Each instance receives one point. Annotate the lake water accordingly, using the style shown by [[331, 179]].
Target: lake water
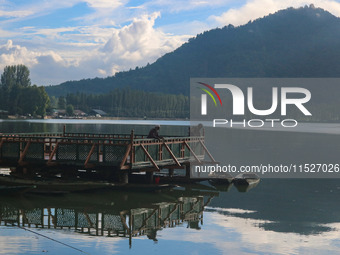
[[278, 216]]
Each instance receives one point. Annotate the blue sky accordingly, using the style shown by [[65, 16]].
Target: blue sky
[[62, 40]]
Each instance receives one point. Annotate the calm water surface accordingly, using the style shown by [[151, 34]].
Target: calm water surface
[[279, 216]]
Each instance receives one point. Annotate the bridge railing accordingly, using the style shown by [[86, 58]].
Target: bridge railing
[[101, 150]]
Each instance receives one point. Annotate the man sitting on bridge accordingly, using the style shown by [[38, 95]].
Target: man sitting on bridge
[[154, 133]]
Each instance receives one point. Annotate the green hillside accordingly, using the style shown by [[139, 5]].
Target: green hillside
[[300, 42]]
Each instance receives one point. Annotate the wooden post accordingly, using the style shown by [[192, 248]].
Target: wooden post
[[132, 155], [130, 229], [123, 220], [97, 224], [123, 176], [187, 171], [64, 130], [149, 177]]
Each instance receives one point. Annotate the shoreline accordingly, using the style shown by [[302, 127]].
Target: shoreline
[[95, 118]]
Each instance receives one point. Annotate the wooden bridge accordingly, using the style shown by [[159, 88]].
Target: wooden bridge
[[106, 153]]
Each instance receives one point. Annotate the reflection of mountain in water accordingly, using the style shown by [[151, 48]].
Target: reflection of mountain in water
[[105, 214], [302, 206]]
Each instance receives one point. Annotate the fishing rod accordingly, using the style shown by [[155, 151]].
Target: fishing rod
[[53, 240]]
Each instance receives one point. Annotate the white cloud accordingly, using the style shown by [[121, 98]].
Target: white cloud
[[46, 67], [38, 8], [51, 68], [33, 9], [7, 33], [230, 234], [104, 4], [139, 43], [254, 9], [15, 14], [133, 45], [14, 54], [186, 5], [111, 36], [188, 29], [106, 12]]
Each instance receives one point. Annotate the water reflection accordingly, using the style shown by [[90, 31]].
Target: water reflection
[[279, 216], [168, 128], [110, 214], [259, 221]]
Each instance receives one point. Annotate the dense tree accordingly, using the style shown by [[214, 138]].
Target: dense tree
[[17, 75], [18, 96], [62, 103], [43, 101], [70, 110], [133, 103], [53, 102], [12, 80]]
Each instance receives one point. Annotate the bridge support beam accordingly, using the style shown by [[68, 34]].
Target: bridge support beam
[[187, 171], [149, 177], [124, 177]]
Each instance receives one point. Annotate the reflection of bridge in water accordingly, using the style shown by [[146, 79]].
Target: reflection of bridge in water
[[105, 221]]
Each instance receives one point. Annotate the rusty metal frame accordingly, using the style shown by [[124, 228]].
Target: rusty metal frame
[[172, 154], [207, 151], [167, 218], [175, 159], [149, 156], [145, 221], [23, 154], [53, 153], [90, 154], [127, 154], [192, 152]]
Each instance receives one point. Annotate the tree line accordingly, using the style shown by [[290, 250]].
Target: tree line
[[130, 103], [18, 96]]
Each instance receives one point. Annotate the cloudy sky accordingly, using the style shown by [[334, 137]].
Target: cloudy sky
[[62, 40]]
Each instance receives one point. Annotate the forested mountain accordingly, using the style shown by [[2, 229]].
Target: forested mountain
[[300, 42], [133, 103]]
